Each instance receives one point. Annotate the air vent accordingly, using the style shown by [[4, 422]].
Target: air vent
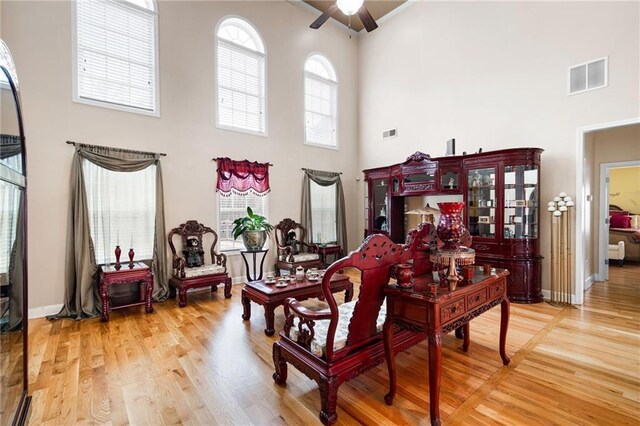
[[588, 76], [391, 133]]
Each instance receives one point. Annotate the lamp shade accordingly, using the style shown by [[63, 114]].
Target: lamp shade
[[349, 7]]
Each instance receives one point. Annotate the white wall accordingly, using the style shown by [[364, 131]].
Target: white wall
[[39, 36], [494, 75]]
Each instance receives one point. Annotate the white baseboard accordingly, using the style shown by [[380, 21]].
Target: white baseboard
[[589, 281], [43, 311]]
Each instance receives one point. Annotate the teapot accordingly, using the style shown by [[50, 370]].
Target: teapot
[[299, 273]]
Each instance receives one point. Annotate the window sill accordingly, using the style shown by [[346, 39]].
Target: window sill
[[319, 145], [241, 130], [116, 107]]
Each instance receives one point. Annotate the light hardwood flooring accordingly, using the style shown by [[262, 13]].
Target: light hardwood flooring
[[204, 365]]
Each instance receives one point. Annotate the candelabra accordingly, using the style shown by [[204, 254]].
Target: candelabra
[[561, 254]]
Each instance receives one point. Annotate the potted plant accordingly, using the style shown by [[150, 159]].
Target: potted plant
[[253, 229]]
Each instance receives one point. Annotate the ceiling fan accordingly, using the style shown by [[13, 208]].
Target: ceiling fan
[[348, 7]]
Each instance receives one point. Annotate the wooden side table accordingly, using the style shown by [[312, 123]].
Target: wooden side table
[[329, 249], [125, 274]]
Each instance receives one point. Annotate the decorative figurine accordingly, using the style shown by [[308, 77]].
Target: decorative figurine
[[193, 253], [293, 242], [451, 183]]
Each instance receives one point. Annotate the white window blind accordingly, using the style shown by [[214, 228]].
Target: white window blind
[[241, 77], [320, 101], [122, 211], [116, 54], [323, 213], [9, 210], [231, 208]]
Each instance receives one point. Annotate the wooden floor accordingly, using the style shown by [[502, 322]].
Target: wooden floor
[[204, 365]]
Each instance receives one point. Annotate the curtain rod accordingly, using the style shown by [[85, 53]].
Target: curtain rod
[[319, 171], [222, 158], [133, 151]]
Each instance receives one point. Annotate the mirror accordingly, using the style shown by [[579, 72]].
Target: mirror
[[14, 401]]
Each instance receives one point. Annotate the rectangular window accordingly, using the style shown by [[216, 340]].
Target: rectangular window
[[323, 213], [9, 210], [320, 110], [240, 88], [115, 55], [122, 211], [232, 207]]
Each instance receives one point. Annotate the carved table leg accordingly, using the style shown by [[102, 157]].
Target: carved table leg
[[348, 294], [104, 295], [465, 336], [280, 376], [504, 324], [149, 295], [227, 288], [390, 357], [269, 317], [246, 306], [328, 400], [182, 295], [435, 370]]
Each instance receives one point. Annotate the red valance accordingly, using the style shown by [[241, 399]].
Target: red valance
[[241, 177]]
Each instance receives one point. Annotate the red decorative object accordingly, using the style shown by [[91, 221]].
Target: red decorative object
[[112, 275], [451, 229], [117, 252], [404, 275], [131, 254], [242, 176]]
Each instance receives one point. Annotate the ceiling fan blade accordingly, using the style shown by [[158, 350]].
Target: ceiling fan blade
[[367, 20], [323, 18]]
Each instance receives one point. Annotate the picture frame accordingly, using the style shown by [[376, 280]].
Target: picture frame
[[484, 219], [520, 203]]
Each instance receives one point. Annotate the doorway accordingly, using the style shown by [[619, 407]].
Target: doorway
[[605, 198]]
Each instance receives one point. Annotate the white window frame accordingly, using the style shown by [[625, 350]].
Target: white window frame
[[74, 58], [265, 91], [586, 64], [240, 246], [336, 145]]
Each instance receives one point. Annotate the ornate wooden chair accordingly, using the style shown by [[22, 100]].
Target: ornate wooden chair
[[338, 344], [293, 250], [189, 267]]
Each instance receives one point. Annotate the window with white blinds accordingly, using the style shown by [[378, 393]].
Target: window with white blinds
[[122, 211], [323, 213], [241, 77], [320, 102], [9, 210], [232, 207], [115, 54]]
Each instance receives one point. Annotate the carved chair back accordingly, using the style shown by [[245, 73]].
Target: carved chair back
[[282, 230], [375, 259], [194, 229]]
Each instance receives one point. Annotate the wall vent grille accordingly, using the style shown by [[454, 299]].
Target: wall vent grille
[[391, 133], [588, 76]]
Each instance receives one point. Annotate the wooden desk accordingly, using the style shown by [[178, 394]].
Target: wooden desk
[[271, 296], [109, 276], [419, 310], [329, 249]]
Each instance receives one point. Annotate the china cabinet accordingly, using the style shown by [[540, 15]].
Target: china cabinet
[[14, 399], [500, 190]]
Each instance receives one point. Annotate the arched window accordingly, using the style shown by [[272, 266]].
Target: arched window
[[320, 102], [116, 62], [240, 77]]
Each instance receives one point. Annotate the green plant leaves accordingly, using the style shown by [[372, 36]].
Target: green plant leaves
[[251, 222]]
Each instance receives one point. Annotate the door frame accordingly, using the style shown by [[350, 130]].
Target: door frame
[[581, 199], [603, 218]]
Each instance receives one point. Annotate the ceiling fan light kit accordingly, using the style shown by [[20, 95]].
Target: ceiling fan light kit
[[349, 7]]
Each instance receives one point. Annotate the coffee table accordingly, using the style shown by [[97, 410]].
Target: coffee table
[[270, 296]]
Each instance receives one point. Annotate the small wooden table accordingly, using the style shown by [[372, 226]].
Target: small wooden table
[[329, 249], [418, 309], [270, 296], [124, 274]]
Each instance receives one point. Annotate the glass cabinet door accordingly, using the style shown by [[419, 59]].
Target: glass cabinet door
[[482, 202], [520, 201], [379, 204]]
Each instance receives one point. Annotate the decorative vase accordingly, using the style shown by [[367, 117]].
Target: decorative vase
[[451, 229], [404, 275], [131, 254], [254, 240], [117, 252], [300, 273]]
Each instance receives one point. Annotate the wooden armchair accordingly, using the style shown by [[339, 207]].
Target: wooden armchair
[[293, 250], [338, 344], [189, 267]]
